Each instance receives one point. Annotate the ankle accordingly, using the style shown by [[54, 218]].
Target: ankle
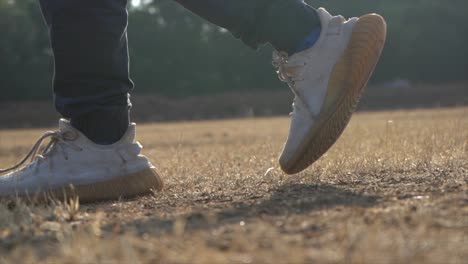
[[103, 127], [300, 28], [309, 41]]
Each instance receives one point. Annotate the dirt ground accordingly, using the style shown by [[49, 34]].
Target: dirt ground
[[393, 189]]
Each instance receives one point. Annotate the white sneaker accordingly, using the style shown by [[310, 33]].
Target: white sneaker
[[96, 172], [328, 80]]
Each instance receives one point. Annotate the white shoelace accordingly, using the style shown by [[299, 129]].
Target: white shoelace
[[285, 72], [289, 74], [57, 138]]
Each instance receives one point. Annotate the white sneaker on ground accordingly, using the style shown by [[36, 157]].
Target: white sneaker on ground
[[328, 80], [95, 172]]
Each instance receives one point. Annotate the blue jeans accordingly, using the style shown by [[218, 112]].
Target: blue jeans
[[89, 42]]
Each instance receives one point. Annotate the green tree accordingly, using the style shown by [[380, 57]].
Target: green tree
[[25, 57]]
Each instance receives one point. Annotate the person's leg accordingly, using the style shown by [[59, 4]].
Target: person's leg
[[325, 60], [96, 151], [285, 24], [91, 81]]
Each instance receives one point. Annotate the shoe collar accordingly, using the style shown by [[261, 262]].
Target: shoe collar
[[65, 126], [331, 25]]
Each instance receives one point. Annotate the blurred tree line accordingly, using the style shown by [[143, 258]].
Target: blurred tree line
[[175, 53]]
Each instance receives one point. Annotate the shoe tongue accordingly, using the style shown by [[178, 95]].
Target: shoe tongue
[[64, 125]]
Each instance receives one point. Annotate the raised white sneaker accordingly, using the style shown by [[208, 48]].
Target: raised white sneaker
[[328, 80], [96, 172]]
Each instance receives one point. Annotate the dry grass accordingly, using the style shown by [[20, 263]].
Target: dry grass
[[394, 189]]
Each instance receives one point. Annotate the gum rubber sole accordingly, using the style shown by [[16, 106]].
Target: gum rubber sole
[[136, 184], [139, 183], [349, 77]]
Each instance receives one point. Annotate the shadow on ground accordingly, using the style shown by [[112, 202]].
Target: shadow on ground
[[289, 199]]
